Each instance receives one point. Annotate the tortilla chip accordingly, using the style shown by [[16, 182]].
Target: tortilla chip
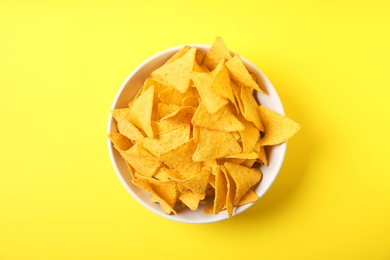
[[180, 160], [230, 193], [121, 142], [220, 191], [251, 111], [211, 100], [167, 141], [162, 192], [222, 120], [141, 160], [124, 125], [249, 135], [240, 74], [278, 128], [176, 73], [249, 197], [220, 84], [244, 178], [218, 52], [141, 111], [209, 145]]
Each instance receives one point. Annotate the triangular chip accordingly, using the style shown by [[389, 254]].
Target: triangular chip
[[251, 111], [180, 160], [262, 157], [157, 89], [171, 95], [167, 141], [220, 83], [249, 197], [191, 199], [220, 191], [141, 111], [162, 192], [124, 125], [176, 73], [179, 54], [249, 135], [121, 142], [244, 178], [278, 128], [221, 120], [141, 160], [218, 52], [197, 183], [215, 144], [165, 109], [230, 193], [240, 74], [212, 101]]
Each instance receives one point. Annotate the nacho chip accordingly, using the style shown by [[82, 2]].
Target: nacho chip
[[215, 144], [191, 199], [244, 178], [211, 100], [240, 74], [180, 160], [141, 160], [167, 141], [121, 142], [190, 101], [141, 111], [179, 54], [262, 155], [218, 52], [171, 95], [165, 109], [278, 128], [220, 84], [249, 197], [230, 193], [177, 73], [124, 125], [222, 120], [251, 111], [220, 191], [249, 135], [162, 192]]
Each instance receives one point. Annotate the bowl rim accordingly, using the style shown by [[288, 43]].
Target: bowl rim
[[207, 218]]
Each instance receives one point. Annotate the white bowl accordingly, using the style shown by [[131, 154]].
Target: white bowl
[[128, 91]]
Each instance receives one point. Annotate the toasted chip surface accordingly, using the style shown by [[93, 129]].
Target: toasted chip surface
[[278, 128]]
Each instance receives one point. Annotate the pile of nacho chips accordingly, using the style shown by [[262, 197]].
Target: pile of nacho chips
[[194, 134]]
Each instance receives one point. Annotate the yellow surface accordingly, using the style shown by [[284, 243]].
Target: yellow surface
[[62, 62]]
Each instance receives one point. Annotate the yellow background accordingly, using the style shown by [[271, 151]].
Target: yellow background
[[62, 62]]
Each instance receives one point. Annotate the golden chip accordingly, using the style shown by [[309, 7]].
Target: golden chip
[[212, 101], [218, 52], [222, 120], [215, 144], [220, 83], [278, 128], [177, 73], [121, 142], [125, 127], [251, 111], [244, 178], [167, 141], [240, 74], [141, 110], [180, 160]]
